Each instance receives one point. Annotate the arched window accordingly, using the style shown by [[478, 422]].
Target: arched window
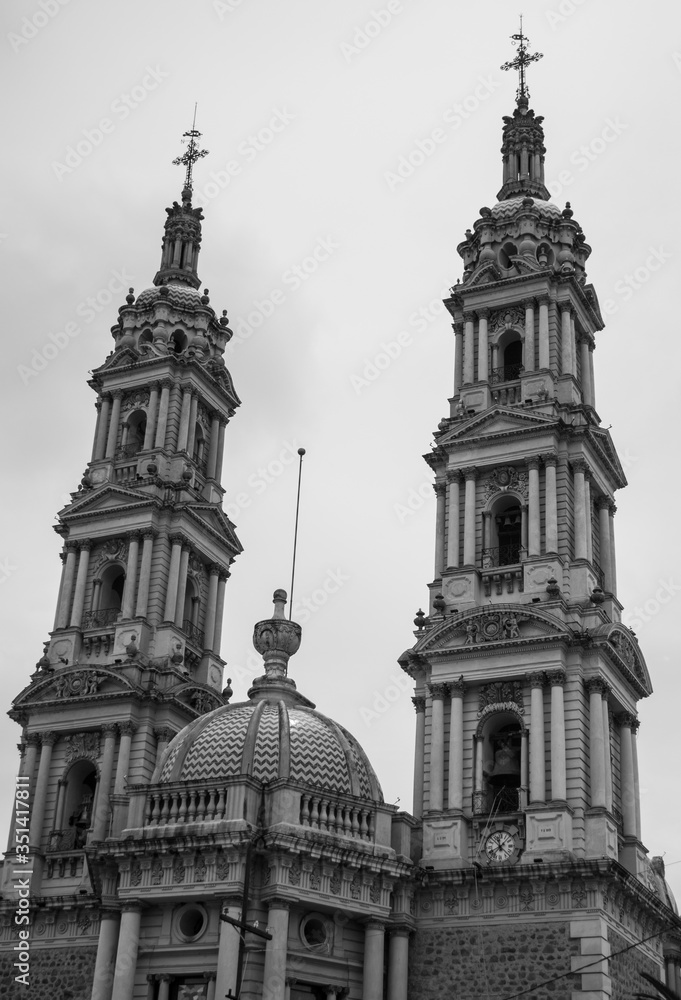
[[77, 808], [199, 446], [499, 758], [503, 533], [178, 342], [111, 589], [134, 430], [513, 360]]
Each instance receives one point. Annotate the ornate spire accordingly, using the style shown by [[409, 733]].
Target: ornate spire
[[277, 639], [520, 62], [189, 158]]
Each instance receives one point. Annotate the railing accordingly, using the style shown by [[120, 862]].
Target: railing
[[502, 555], [97, 619], [332, 816], [129, 450], [126, 472], [507, 373], [165, 808], [194, 634], [500, 800], [64, 866]]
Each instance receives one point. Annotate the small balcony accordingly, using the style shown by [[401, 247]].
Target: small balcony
[[509, 554], [505, 384], [193, 633], [101, 618], [496, 800]]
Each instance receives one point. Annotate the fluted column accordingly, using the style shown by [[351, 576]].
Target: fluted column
[[183, 432], [454, 495], [524, 769], [219, 611], [627, 774], [191, 435], [534, 526], [274, 976], [587, 517], [81, 580], [101, 811], [145, 574], [483, 346], [591, 374], [128, 604], [587, 394], [126, 955], [398, 963], [66, 590], [98, 409], [469, 517], [613, 560], [113, 424], [221, 450], [107, 943], [152, 415], [455, 793], [47, 740], [607, 752], [469, 349], [458, 357], [528, 354], [537, 749], [556, 679], [182, 583], [566, 339], [102, 428], [173, 577], [603, 507], [213, 447], [637, 784], [596, 687], [551, 504], [419, 704], [441, 497], [162, 421], [437, 746], [544, 347], [374, 933], [579, 471], [126, 730], [211, 607]]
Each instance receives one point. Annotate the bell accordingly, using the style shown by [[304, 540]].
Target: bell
[[506, 768]]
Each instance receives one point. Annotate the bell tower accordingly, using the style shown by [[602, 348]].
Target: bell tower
[[527, 682]]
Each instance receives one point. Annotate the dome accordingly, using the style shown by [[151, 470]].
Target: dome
[[180, 296], [511, 206], [271, 738]]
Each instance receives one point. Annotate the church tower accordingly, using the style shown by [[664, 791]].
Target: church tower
[[527, 682]]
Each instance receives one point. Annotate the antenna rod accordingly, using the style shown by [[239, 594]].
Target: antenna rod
[[301, 452]]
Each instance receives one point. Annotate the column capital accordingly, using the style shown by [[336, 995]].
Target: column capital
[[277, 903], [532, 462], [71, 546], [116, 394], [373, 924], [613, 508], [566, 307], [109, 729], [156, 384], [127, 728], [177, 538], [132, 906], [419, 704], [85, 544], [439, 691], [457, 688], [549, 458], [543, 300], [469, 316], [556, 677], [483, 312], [133, 535], [166, 383], [163, 734], [49, 738], [580, 465], [597, 684], [457, 327], [453, 475], [627, 720], [536, 679], [149, 533], [400, 930], [529, 303], [470, 472], [439, 489], [32, 739], [603, 501]]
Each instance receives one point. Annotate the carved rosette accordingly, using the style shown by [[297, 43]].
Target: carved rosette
[[501, 693], [82, 745], [77, 684], [492, 627], [503, 480]]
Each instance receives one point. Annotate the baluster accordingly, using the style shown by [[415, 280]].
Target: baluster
[[220, 807], [183, 802], [151, 815], [191, 807], [210, 807], [323, 813], [305, 810], [347, 823], [333, 823], [355, 823], [201, 810], [372, 826], [174, 807], [363, 825], [165, 809], [314, 813]]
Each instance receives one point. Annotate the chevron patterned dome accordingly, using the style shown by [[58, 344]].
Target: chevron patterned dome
[[180, 296], [509, 207], [271, 738]]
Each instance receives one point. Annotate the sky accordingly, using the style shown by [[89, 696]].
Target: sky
[[351, 145]]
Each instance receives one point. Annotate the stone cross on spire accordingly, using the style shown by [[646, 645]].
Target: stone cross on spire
[[189, 157], [520, 62]]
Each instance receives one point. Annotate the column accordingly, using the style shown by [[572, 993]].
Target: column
[[274, 976], [469, 517], [528, 354], [183, 432], [81, 580], [213, 447], [128, 605], [126, 955], [607, 752], [126, 730], [193, 410], [96, 594], [113, 424], [220, 611], [455, 793], [210, 985], [627, 776], [556, 679], [533, 528], [101, 811], [211, 607], [102, 980], [483, 346], [440, 493], [419, 704], [228, 950], [27, 768], [566, 339], [164, 981], [523, 531], [47, 740], [587, 394], [398, 963], [592, 348], [544, 349], [182, 583], [374, 933], [587, 517], [145, 574], [102, 428], [98, 408], [579, 470], [637, 785], [595, 687], [162, 421], [613, 562], [458, 357], [221, 450], [524, 770], [487, 555], [537, 748], [603, 507], [152, 414], [173, 577], [163, 737], [551, 504], [59, 809], [479, 773], [66, 590], [437, 746], [468, 349], [454, 495]]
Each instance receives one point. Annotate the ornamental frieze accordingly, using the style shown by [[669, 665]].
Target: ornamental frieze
[[501, 693], [81, 745], [112, 550], [135, 400], [492, 627], [627, 651], [504, 479], [74, 685], [503, 319]]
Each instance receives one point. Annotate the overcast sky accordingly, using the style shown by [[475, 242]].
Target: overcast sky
[[332, 266]]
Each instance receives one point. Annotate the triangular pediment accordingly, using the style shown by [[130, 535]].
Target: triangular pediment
[[604, 444], [119, 359], [80, 681], [510, 624], [214, 518], [484, 275], [624, 651], [499, 420], [105, 498]]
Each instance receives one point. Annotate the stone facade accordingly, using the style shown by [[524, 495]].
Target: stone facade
[[64, 972]]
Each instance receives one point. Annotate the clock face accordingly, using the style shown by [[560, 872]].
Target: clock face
[[499, 846]]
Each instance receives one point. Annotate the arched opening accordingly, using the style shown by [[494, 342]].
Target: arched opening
[[199, 446], [78, 803], [513, 360], [145, 338], [111, 591], [506, 252], [178, 342], [134, 430], [500, 767], [503, 543]]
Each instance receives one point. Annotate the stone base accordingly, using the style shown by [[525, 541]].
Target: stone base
[[601, 835], [445, 842], [548, 832]]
